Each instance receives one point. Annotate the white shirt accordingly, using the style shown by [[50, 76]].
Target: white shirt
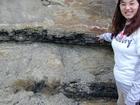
[[127, 64]]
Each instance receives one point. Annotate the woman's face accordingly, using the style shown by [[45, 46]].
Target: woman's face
[[129, 8]]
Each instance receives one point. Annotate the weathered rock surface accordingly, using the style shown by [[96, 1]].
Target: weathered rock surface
[[92, 16], [68, 71]]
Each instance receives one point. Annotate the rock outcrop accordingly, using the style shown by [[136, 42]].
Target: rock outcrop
[[49, 53]]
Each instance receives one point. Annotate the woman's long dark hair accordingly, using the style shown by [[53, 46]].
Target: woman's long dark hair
[[118, 22]]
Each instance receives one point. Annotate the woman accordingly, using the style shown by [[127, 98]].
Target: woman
[[125, 41]]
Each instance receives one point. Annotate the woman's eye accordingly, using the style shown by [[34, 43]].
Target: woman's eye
[[132, 3], [122, 4]]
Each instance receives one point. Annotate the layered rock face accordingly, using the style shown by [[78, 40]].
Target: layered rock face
[[92, 16], [49, 53]]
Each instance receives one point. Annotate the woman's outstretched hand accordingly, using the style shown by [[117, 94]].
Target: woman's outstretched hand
[[101, 40]]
